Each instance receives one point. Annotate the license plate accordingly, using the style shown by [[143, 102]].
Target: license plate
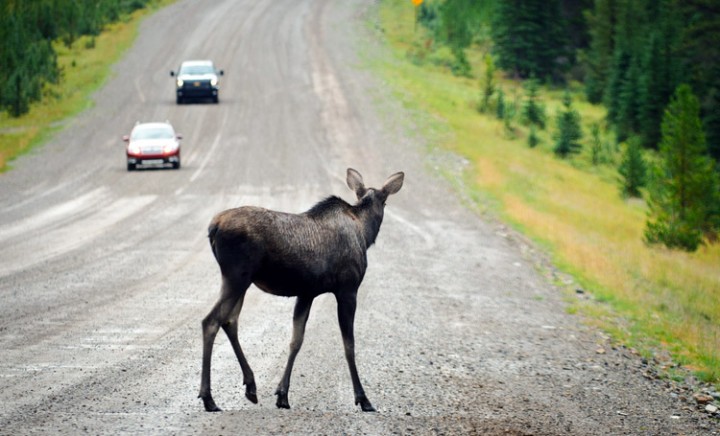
[[152, 161], [196, 84]]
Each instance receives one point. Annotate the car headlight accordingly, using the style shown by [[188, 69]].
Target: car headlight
[[134, 149], [213, 81], [180, 83], [169, 148]]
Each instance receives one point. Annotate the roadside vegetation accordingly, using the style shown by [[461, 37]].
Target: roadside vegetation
[[620, 188], [53, 62]]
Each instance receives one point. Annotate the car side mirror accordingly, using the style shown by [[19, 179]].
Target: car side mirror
[[222, 72], [172, 73], [178, 136], [126, 138]]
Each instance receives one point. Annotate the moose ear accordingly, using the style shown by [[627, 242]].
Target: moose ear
[[355, 182], [393, 183]]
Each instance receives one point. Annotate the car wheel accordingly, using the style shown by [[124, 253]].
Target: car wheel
[[216, 99], [178, 100], [176, 165], [130, 167]]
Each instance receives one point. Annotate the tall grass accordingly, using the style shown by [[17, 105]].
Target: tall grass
[[84, 68], [650, 298]]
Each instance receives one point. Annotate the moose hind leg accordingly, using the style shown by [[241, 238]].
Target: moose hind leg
[[346, 318], [231, 329], [225, 310], [300, 317]]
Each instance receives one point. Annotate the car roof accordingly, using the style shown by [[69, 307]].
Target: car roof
[[152, 125], [192, 63]]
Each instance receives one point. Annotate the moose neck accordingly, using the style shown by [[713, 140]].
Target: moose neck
[[371, 217]]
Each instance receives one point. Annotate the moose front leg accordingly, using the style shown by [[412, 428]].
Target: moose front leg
[[300, 317], [346, 318]]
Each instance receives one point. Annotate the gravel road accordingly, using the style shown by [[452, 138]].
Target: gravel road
[[105, 275]]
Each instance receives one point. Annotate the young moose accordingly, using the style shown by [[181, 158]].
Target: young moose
[[303, 256]]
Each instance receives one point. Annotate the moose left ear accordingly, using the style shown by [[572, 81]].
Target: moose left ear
[[393, 183], [355, 182]]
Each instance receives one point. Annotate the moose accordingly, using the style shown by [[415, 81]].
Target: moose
[[294, 255]]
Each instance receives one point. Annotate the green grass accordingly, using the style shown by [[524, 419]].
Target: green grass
[[650, 298], [85, 66]]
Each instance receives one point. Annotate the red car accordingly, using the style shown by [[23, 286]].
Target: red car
[[153, 144]]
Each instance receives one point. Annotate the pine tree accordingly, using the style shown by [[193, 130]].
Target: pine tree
[[632, 169], [500, 104], [488, 85], [460, 19], [533, 139], [660, 72], [533, 112], [684, 191], [569, 131], [601, 26], [598, 148], [529, 38], [628, 117]]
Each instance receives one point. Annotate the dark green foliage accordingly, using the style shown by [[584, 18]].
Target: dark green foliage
[[660, 74], [428, 15], [627, 120], [601, 26], [711, 120], [700, 50], [500, 104], [639, 52], [530, 38], [633, 169], [487, 85], [533, 139], [684, 190], [455, 23], [533, 112], [27, 58], [569, 131]]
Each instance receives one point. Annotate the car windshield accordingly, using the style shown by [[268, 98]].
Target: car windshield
[[156, 132], [197, 69]]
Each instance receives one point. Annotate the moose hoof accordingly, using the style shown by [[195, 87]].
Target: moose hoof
[[365, 405], [210, 405], [250, 393], [282, 400]]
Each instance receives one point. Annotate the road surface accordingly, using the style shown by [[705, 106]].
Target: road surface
[[105, 275]]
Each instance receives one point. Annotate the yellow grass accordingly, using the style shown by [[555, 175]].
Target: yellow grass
[[667, 300]]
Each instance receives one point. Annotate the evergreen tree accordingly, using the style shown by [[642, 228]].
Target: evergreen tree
[[569, 131], [601, 26], [632, 169], [500, 104], [533, 112], [660, 72], [684, 192], [628, 116], [488, 84], [596, 148], [699, 50], [27, 58], [530, 38], [460, 20], [533, 139]]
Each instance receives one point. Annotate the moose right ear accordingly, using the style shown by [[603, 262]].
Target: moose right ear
[[393, 183], [355, 182]]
